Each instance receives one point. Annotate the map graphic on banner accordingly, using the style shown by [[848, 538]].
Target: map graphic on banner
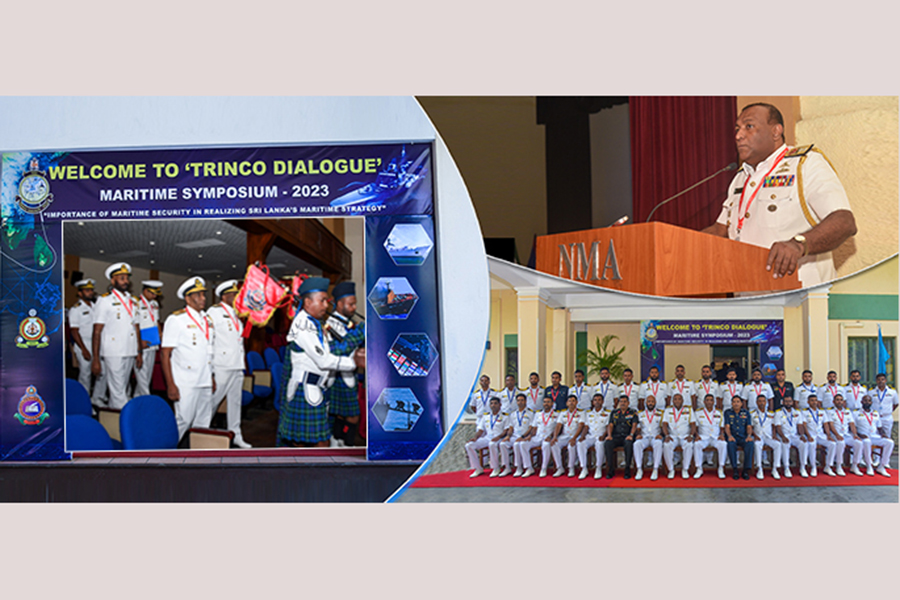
[[386, 183]]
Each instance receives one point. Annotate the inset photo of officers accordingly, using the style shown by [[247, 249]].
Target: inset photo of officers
[[171, 346]]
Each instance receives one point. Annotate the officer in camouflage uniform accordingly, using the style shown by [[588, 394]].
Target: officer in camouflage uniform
[[344, 337]]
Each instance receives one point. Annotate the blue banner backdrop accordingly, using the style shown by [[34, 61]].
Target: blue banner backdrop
[[40, 190], [769, 335]]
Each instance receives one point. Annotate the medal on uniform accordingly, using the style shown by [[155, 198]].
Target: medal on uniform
[[604, 389], [519, 415], [705, 387], [833, 390], [790, 417], [509, 395], [533, 392], [655, 390], [855, 390], [731, 389], [231, 318], [484, 401], [494, 422], [814, 415], [681, 410], [680, 387], [205, 330], [545, 419], [628, 389], [649, 416], [881, 396], [572, 414], [763, 415], [746, 214], [149, 309], [869, 418], [125, 304], [554, 395], [706, 412]]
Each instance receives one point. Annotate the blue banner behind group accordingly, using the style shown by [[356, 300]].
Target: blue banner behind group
[[386, 183]]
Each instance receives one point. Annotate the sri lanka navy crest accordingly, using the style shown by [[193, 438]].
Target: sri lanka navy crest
[[256, 299], [34, 190], [31, 410], [32, 332]]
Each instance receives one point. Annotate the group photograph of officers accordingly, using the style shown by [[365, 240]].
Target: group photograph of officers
[[115, 338], [732, 423]]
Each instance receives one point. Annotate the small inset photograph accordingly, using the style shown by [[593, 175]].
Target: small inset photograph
[[397, 409], [393, 298], [408, 244], [412, 354], [593, 395]]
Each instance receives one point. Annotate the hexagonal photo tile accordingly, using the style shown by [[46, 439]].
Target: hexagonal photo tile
[[392, 298], [412, 354], [397, 409], [408, 244]]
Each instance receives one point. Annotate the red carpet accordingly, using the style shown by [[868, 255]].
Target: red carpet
[[461, 479]]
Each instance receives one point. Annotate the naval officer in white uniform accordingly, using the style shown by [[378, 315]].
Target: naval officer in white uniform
[[148, 313], [81, 327], [228, 357], [117, 335], [786, 199], [186, 358]]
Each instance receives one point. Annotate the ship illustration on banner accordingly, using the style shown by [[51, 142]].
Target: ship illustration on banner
[[397, 181]]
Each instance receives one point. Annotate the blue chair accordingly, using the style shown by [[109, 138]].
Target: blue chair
[[147, 423], [277, 383], [271, 356], [84, 433], [282, 350], [257, 368], [78, 402]]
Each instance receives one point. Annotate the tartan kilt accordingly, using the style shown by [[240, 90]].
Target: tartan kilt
[[342, 400], [298, 420]]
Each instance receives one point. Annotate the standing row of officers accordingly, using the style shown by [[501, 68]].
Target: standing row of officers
[[202, 355], [117, 333], [664, 417], [884, 398]]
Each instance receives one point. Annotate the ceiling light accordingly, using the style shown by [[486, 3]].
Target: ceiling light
[[152, 243]]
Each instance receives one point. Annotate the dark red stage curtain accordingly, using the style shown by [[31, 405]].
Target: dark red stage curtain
[[676, 142]]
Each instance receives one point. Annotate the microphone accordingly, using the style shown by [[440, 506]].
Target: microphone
[[729, 167], [621, 221]]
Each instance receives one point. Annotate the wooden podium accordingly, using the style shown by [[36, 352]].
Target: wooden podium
[[659, 259]]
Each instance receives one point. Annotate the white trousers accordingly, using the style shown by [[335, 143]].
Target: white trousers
[[523, 451], [143, 375], [856, 446], [777, 447], [886, 428], [229, 384], [84, 377], [556, 449], [830, 450], [642, 444], [472, 449], [193, 409], [687, 449], [802, 450], [876, 441], [584, 445], [118, 372], [702, 444]]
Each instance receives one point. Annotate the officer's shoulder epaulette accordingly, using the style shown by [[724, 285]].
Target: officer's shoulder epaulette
[[506, 414], [178, 312], [799, 151], [105, 295]]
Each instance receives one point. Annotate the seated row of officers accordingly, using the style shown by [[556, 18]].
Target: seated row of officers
[[202, 355], [510, 437]]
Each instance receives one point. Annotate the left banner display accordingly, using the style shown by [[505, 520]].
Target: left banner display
[[43, 190]]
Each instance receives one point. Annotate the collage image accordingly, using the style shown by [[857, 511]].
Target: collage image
[[480, 299]]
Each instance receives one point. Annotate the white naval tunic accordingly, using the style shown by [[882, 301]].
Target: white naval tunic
[[117, 312], [228, 362], [81, 317], [790, 196], [191, 336]]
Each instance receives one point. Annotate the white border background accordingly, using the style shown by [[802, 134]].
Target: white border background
[[464, 47]]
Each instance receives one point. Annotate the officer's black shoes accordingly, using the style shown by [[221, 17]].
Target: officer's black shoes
[[627, 475], [745, 475], [736, 475], [609, 475]]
